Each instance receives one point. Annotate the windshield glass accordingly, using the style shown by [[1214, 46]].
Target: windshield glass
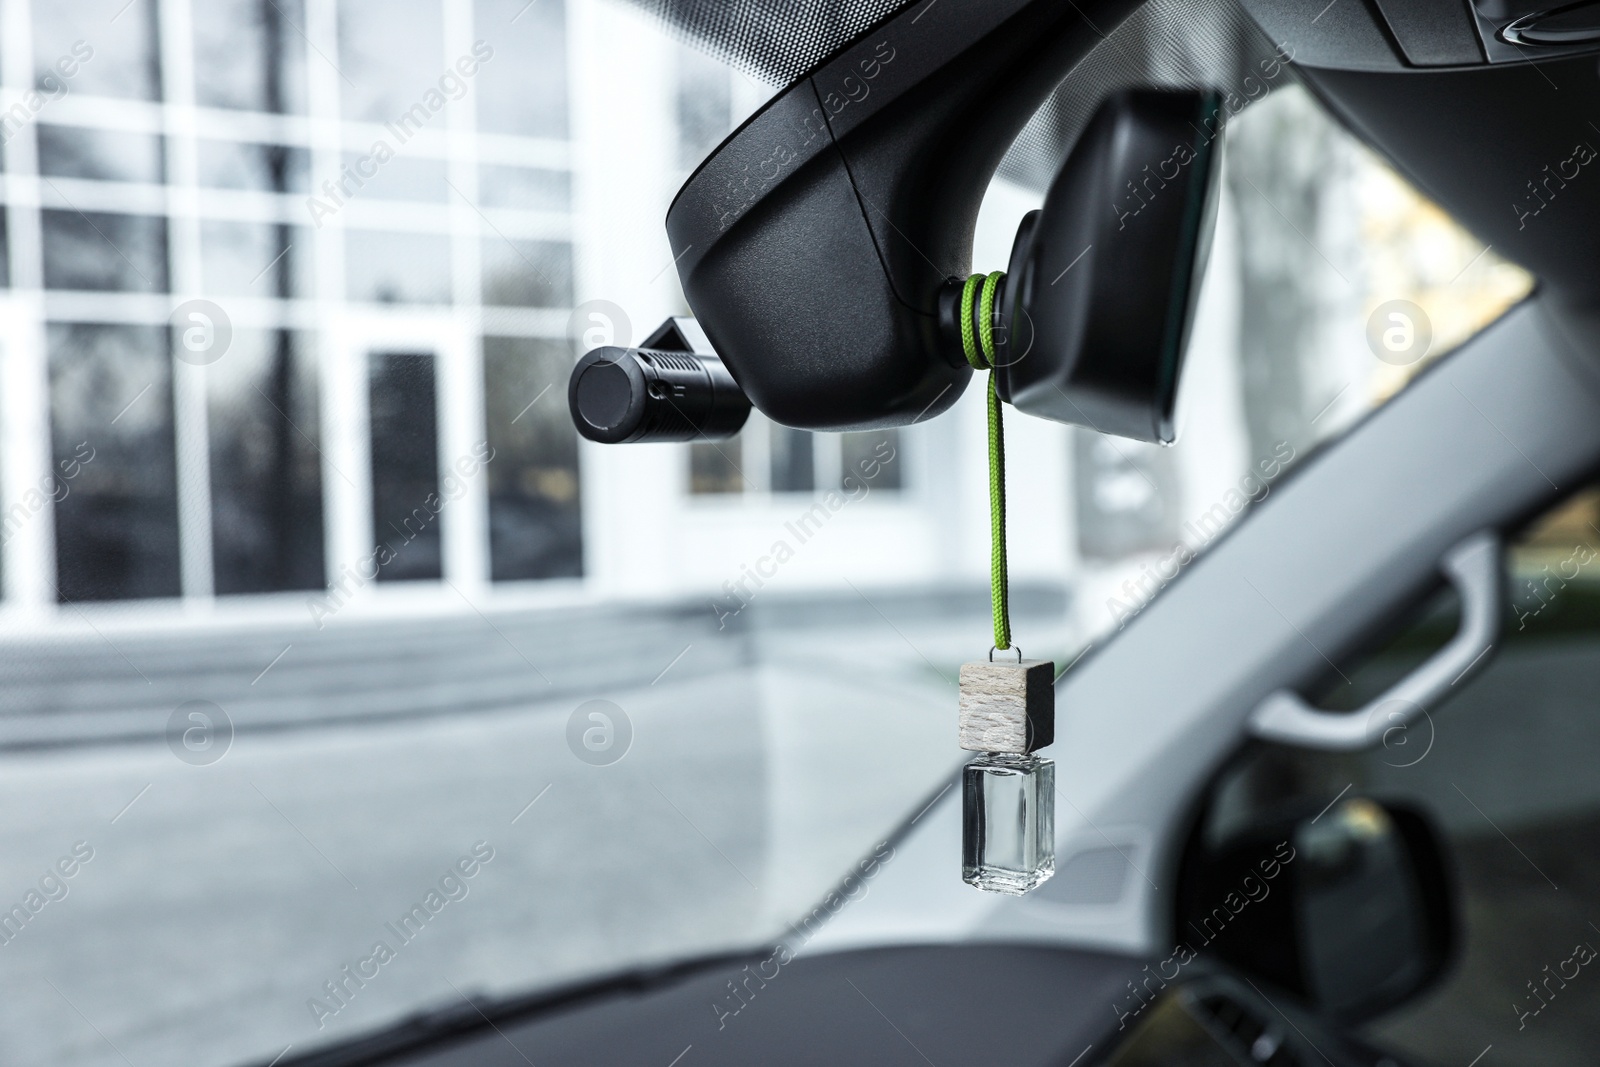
[[341, 682]]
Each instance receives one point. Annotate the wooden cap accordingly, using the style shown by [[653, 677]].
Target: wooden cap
[[1008, 707]]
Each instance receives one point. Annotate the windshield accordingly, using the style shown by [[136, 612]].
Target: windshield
[[341, 682]]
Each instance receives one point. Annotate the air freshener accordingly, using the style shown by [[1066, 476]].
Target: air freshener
[[1007, 707], [1008, 794]]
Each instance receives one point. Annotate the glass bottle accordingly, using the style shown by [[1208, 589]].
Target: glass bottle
[[1008, 840]]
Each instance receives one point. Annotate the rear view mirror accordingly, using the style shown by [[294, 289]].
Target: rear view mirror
[[1104, 277], [1348, 909]]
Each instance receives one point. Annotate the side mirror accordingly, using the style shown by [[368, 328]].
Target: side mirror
[[1349, 908]]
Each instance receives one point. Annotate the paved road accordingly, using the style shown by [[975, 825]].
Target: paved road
[[219, 899]]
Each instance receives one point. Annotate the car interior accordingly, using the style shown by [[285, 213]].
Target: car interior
[[1303, 779]]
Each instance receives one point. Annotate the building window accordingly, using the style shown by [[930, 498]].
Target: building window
[[767, 459], [1127, 496], [391, 55], [524, 188], [74, 38], [403, 395], [254, 259], [714, 467], [515, 94], [268, 168], [871, 457], [397, 268], [528, 274], [792, 460], [534, 520], [704, 104], [266, 475], [111, 413], [102, 155], [108, 253], [401, 178], [250, 55]]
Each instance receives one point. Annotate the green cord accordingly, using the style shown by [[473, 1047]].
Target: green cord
[[979, 350]]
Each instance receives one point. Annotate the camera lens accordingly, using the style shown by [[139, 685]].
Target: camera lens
[[630, 395]]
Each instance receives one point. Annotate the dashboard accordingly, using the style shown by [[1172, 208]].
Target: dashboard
[[1017, 1005]]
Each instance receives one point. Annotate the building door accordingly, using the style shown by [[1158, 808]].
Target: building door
[[405, 482]]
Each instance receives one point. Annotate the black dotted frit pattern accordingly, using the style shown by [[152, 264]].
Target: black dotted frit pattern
[[1176, 43], [1166, 43], [777, 41]]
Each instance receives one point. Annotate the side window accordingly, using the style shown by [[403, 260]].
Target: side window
[[1507, 772]]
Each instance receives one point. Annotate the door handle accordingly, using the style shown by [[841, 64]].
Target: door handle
[[1473, 567]]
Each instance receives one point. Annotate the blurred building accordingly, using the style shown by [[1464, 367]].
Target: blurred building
[[291, 289], [281, 276]]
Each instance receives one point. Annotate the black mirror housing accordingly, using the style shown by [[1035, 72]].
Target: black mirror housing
[[813, 243], [1104, 278]]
